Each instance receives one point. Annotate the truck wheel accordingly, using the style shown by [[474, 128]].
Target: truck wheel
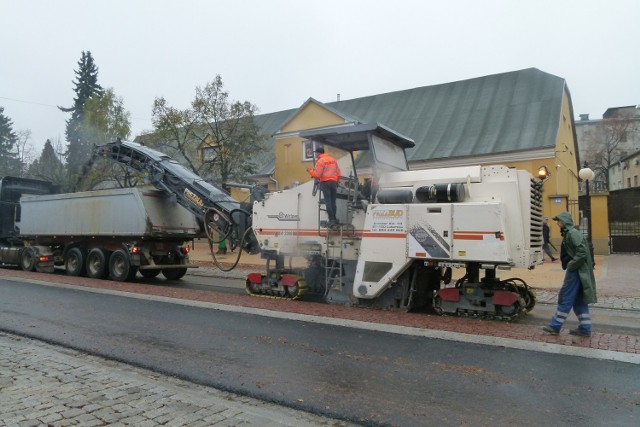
[[28, 260], [97, 267], [120, 268], [149, 274], [74, 262], [174, 273]]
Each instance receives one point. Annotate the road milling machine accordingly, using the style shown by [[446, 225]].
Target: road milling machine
[[401, 232]]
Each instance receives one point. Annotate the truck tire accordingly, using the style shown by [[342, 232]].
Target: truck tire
[[174, 273], [149, 274], [74, 262], [28, 259], [120, 268], [97, 263]]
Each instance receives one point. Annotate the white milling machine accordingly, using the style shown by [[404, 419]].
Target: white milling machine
[[402, 232]]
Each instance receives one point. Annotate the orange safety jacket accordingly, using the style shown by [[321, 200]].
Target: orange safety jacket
[[326, 169]]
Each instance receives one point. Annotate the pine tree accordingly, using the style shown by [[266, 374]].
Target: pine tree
[[9, 162], [86, 86], [49, 166]]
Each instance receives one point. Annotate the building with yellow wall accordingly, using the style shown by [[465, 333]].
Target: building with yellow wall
[[522, 119]]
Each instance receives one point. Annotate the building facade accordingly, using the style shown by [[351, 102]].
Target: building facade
[[625, 173], [521, 119], [604, 144]]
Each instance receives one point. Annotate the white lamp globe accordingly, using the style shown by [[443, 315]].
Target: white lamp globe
[[586, 174]]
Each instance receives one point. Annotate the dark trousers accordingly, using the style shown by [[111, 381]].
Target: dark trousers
[[330, 193]]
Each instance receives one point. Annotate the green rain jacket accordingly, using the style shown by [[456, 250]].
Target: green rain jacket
[[577, 248]]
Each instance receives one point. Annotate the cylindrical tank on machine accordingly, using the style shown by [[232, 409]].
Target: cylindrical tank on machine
[[393, 195], [441, 193]]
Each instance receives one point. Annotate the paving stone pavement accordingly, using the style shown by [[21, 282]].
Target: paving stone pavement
[[45, 385], [619, 303]]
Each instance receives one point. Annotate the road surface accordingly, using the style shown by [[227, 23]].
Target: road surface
[[366, 376]]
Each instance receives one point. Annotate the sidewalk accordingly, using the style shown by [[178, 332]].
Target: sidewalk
[[41, 384], [617, 276]]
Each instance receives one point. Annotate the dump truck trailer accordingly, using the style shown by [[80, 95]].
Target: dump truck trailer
[[103, 233]]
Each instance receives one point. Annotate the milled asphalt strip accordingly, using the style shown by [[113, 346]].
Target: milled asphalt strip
[[543, 347]]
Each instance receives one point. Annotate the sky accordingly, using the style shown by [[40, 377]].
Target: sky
[[278, 53]]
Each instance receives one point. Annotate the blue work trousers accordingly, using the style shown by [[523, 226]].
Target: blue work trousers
[[570, 296]]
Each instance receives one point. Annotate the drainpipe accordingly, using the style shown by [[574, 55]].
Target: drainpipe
[[276, 181]]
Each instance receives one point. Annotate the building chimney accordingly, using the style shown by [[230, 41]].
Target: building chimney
[[584, 117], [338, 98]]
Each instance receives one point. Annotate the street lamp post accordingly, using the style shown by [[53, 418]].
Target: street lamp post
[[587, 174]]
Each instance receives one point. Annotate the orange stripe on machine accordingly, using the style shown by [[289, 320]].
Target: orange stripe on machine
[[477, 235], [323, 231], [304, 232], [385, 235]]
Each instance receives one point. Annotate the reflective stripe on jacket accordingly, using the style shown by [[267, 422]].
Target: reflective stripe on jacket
[[326, 169]]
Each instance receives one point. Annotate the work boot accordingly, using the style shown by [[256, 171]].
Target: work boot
[[550, 330], [579, 332]]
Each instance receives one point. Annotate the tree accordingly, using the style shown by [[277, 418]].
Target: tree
[[86, 86], [175, 134], [605, 143], [226, 128], [105, 120], [9, 161], [49, 166], [24, 151]]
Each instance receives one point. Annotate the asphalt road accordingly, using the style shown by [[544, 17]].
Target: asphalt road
[[369, 377]]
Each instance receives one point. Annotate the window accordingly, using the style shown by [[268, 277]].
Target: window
[[389, 154], [209, 154], [307, 148], [635, 180]]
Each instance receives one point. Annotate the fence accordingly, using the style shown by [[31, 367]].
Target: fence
[[624, 220]]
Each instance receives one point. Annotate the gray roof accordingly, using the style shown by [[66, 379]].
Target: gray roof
[[505, 112], [508, 112]]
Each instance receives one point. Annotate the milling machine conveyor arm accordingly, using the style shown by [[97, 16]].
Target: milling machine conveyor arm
[[213, 206]]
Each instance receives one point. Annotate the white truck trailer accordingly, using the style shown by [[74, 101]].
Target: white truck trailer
[[104, 233]]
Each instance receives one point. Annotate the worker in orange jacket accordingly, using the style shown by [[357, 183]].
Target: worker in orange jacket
[[327, 172]]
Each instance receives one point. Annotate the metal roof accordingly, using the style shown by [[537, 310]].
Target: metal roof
[[519, 110], [500, 113]]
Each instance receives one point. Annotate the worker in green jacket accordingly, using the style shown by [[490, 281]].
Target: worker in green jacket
[[579, 286]]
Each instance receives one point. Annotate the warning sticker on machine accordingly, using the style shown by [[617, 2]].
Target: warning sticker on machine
[[388, 220]]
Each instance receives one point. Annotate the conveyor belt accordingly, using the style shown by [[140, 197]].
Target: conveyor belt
[[219, 213]]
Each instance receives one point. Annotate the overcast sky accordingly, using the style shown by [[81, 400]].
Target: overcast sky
[[278, 53]]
